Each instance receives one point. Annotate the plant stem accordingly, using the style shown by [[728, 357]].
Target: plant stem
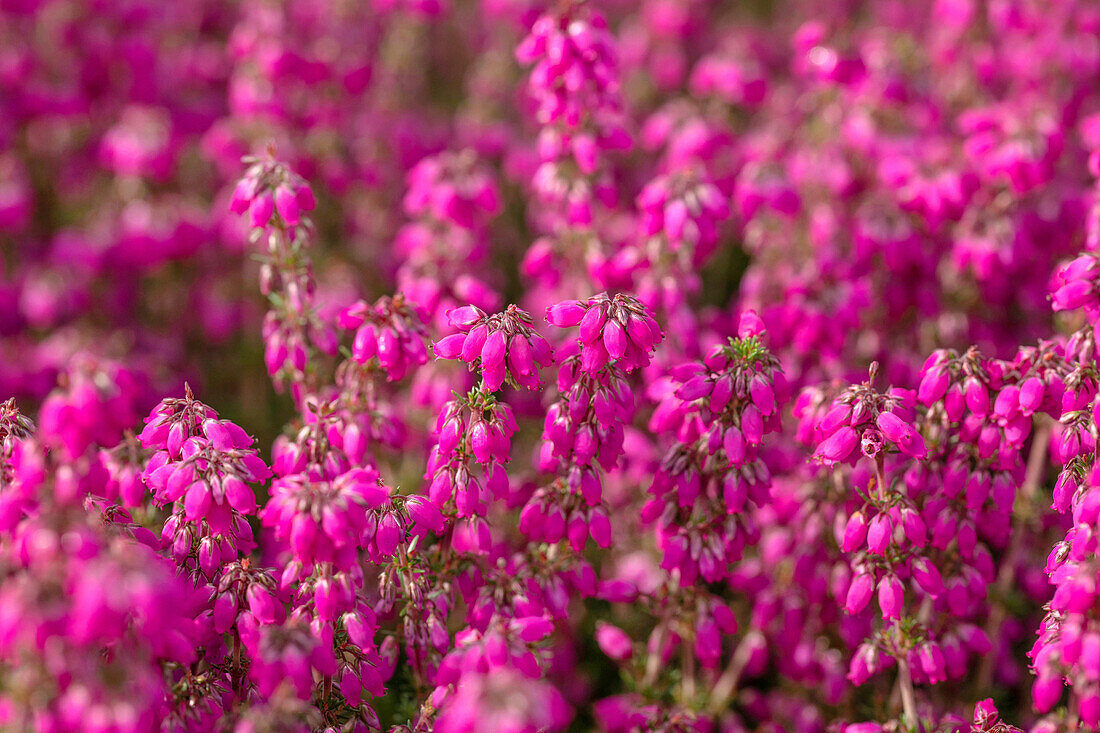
[[687, 661], [880, 477], [726, 685], [653, 663], [905, 683]]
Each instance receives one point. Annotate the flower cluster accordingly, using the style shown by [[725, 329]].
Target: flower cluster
[[575, 86], [389, 331], [612, 330], [202, 467], [451, 197], [503, 346], [717, 412]]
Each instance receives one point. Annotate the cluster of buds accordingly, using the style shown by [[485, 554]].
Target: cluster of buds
[[322, 445], [203, 466], [1065, 652], [926, 536], [612, 330], [679, 218], [242, 589], [269, 187], [503, 346], [389, 331], [555, 512], [582, 435], [576, 86], [330, 517], [873, 422], [472, 430], [476, 425], [452, 187], [292, 328], [717, 411], [583, 430], [681, 212], [95, 401], [503, 657], [994, 402], [324, 521], [451, 198]]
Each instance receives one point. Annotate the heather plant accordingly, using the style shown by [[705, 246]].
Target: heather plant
[[522, 366]]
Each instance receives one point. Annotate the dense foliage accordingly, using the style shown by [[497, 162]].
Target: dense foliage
[[516, 366]]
